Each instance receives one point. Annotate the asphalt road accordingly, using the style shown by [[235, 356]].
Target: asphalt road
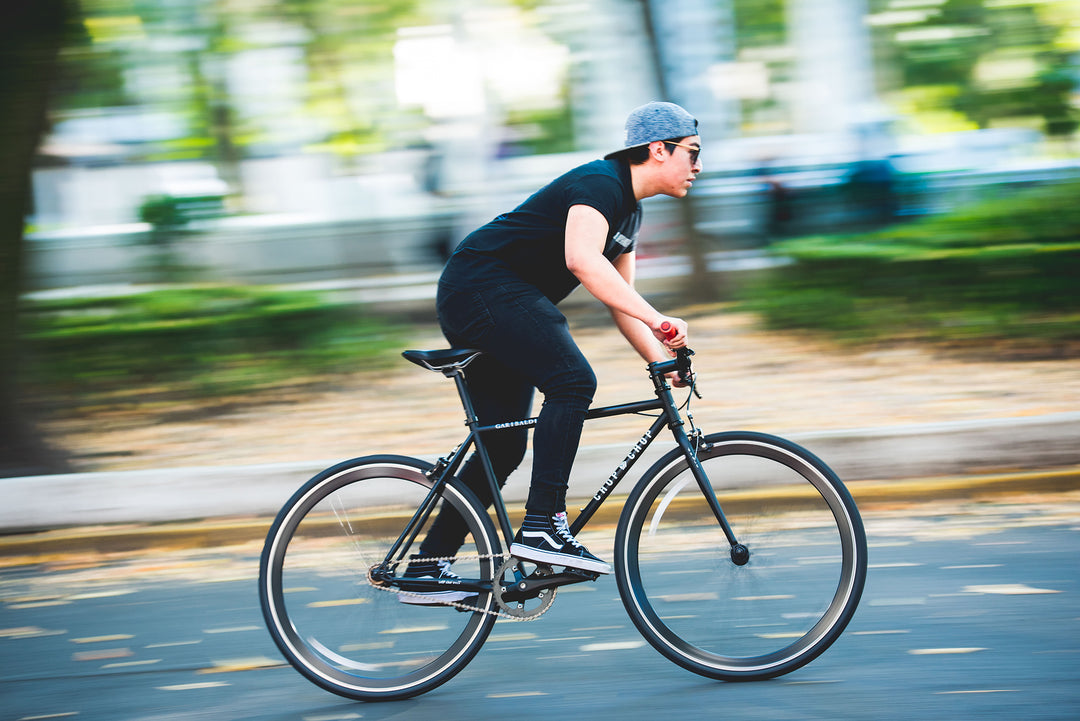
[[971, 611]]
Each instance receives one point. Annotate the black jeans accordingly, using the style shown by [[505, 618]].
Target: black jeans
[[527, 346]]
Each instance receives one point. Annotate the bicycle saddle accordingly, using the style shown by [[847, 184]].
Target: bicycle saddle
[[447, 360]]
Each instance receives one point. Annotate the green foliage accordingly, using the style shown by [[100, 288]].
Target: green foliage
[[169, 212], [760, 23], [195, 341], [162, 212], [545, 131], [1002, 268], [988, 62]]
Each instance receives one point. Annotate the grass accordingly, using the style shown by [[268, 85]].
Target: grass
[[201, 341], [1003, 270]]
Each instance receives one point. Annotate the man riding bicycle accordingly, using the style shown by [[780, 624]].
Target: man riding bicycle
[[498, 293]]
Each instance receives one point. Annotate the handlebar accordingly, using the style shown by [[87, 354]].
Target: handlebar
[[679, 364], [682, 357]]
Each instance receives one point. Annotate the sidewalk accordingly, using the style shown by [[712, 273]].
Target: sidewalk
[[1013, 449]]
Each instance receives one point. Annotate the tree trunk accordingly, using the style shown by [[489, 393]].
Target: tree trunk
[[31, 35], [701, 285]]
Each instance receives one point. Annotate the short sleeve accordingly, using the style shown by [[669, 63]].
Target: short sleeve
[[624, 239], [601, 192]]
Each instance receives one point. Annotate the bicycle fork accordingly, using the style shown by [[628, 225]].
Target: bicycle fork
[[740, 554]]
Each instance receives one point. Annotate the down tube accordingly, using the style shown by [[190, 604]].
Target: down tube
[[617, 475]]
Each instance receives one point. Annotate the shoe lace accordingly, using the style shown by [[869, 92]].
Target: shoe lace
[[562, 530], [444, 570]]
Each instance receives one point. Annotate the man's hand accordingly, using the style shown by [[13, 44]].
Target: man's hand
[[676, 381], [672, 332]]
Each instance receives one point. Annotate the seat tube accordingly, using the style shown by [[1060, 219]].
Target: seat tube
[[489, 472]]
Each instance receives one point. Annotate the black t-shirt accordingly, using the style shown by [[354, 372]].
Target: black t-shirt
[[529, 242]]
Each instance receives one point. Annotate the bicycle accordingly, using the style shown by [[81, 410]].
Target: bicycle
[[738, 555]]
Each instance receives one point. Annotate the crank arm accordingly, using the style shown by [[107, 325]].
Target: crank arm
[[531, 586]]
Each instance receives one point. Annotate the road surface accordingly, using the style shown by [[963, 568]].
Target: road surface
[[971, 611]]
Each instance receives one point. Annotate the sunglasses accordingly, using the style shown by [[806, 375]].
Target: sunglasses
[[694, 150]]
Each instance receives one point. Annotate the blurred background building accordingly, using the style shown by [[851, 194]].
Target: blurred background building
[[297, 140]]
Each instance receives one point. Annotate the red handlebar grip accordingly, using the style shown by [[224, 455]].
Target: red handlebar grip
[[668, 330]]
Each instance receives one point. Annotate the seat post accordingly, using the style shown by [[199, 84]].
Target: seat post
[[458, 374]]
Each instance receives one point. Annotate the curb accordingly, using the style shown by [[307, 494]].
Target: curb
[[21, 548]]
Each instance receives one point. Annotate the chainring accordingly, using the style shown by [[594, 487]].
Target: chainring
[[512, 571]]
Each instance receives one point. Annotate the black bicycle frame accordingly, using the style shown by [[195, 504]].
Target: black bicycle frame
[[447, 466]]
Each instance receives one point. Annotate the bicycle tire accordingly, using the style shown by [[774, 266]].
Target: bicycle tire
[[329, 622], [793, 597]]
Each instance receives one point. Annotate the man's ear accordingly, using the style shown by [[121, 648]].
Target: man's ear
[[657, 151]]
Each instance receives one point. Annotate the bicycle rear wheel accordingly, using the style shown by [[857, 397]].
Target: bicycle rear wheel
[[335, 627], [687, 594]]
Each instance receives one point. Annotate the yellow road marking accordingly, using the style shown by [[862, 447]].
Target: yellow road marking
[[101, 655], [103, 639], [413, 629], [233, 629], [230, 665], [338, 602]]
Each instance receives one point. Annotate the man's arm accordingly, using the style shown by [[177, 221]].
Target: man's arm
[[636, 332], [639, 335], [586, 235]]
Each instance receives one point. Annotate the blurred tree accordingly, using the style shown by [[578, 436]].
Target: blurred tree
[[992, 62], [701, 286], [349, 55], [89, 77], [31, 36], [214, 116], [760, 23], [761, 34]]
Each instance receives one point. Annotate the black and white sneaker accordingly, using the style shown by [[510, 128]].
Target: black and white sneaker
[[432, 571], [547, 539]]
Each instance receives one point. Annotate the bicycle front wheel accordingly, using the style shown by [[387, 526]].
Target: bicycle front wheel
[[340, 631], [720, 614]]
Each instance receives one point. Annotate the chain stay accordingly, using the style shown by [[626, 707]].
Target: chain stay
[[456, 604]]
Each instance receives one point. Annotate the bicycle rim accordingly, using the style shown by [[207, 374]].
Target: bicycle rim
[[780, 610], [330, 623]]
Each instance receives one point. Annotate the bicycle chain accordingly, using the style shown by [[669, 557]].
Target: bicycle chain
[[457, 604]]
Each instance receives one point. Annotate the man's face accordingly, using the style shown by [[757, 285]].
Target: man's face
[[678, 170]]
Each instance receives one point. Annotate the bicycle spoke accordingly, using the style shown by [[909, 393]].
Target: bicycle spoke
[[332, 623], [772, 614]]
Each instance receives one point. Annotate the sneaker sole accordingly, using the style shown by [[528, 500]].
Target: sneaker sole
[[536, 555], [437, 599]]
